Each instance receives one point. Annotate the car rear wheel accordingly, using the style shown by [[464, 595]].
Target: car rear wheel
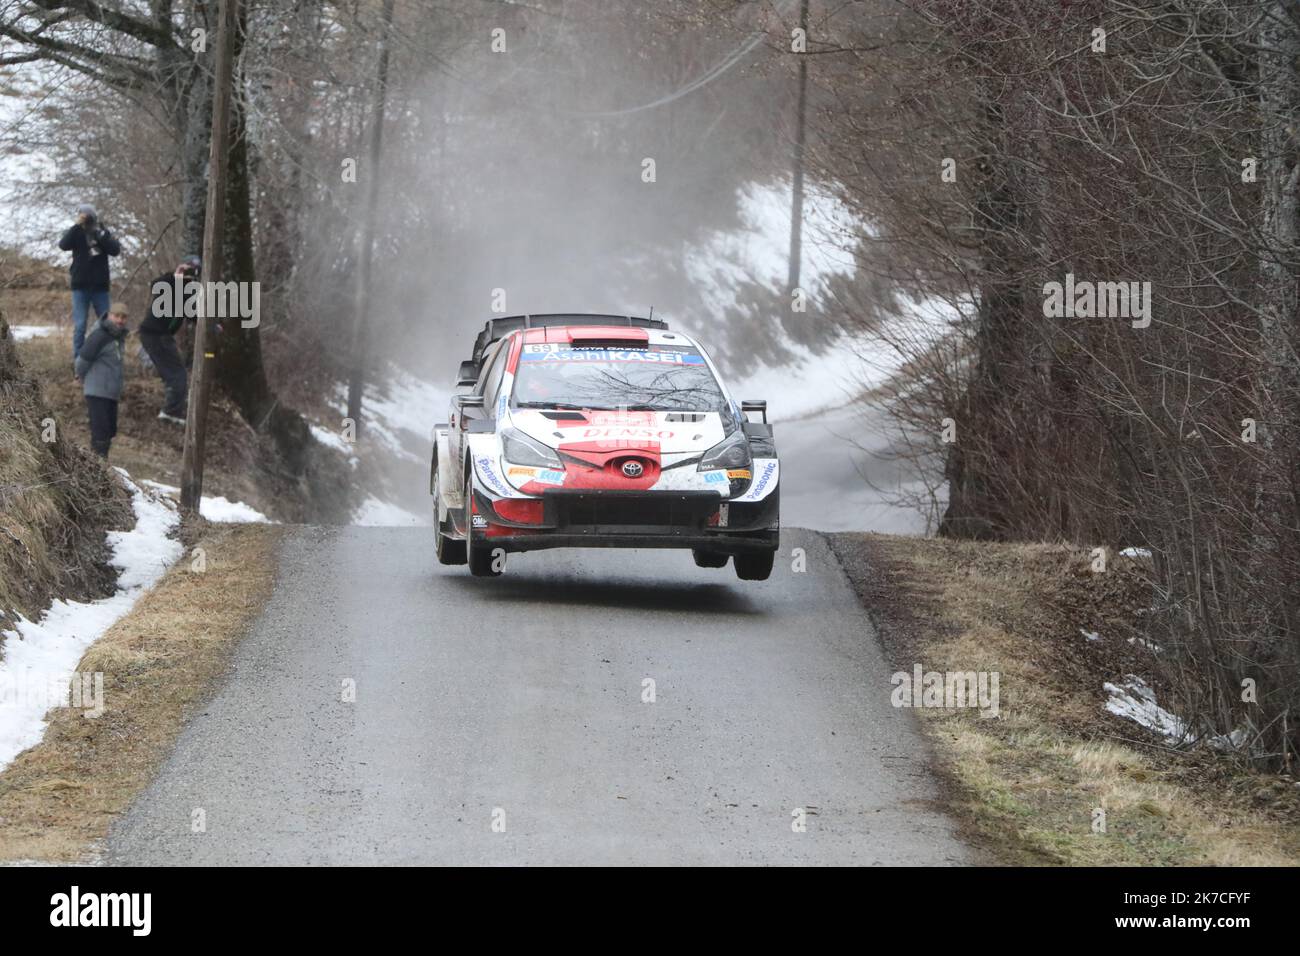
[[449, 550], [479, 554], [709, 559], [755, 567]]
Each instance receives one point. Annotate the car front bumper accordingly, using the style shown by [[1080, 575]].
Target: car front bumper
[[623, 519]]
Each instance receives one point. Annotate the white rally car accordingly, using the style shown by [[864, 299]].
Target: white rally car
[[606, 432]]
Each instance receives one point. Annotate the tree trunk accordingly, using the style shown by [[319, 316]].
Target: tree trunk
[[976, 505], [1276, 605], [194, 154]]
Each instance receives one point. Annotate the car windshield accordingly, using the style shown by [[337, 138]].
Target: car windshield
[[641, 378]]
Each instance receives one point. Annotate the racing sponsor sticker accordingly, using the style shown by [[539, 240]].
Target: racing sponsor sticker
[[489, 475], [736, 474], [522, 474], [614, 434], [656, 356], [621, 418], [478, 521], [718, 477], [767, 471]]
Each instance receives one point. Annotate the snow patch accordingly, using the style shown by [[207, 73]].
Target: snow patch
[[216, 508], [40, 657], [337, 442], [1136, 701], [759, 250], [852, 366], [21, 333], [1151, 646], [398, 416], [374, 512]]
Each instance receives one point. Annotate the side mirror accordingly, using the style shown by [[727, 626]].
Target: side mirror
[[755, 405], [467, 374], [464, 403]]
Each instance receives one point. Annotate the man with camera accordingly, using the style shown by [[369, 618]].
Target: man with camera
[[167, 313], [91, 245]]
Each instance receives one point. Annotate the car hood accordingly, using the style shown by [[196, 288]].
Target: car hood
[[664, 433]]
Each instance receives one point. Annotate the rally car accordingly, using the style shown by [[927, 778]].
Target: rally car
[[597, 431]]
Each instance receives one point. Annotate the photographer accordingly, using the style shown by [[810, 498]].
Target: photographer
[[158, 335], [91, 245]]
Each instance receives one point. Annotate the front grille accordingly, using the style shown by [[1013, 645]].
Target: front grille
[[618, 512]]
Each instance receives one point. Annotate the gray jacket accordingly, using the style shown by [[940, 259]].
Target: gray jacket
[[99, 364]]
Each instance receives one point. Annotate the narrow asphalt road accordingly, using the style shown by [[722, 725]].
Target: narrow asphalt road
[[838, 474], [520, 701]]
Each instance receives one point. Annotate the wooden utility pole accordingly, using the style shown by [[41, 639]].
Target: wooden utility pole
[[196, 415], [796, 199], [360, 336]]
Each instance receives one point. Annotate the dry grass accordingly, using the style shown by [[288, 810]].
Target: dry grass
[[1026, 785], [159, 662]]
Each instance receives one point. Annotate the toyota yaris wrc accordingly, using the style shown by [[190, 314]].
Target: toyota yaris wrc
[[601, 432]]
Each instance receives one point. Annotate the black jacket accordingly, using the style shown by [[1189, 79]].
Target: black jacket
[[161, 320], [90, 250]]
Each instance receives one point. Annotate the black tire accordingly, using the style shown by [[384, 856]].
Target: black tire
[[448, 550], [709, 559], [755, 567], [478, 552]]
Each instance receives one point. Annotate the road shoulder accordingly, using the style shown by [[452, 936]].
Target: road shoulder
[[159, 664], [1026, 786]]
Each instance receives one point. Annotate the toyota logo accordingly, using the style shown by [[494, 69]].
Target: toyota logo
[[633, 469]]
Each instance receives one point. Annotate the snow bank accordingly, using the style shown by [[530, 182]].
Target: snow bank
[[336, 441], [40, 657], [397, 419], [397, 416], [854, 365], [216, 508], [759, 252], [760, 249]]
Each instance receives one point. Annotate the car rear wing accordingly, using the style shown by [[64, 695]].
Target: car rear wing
[[495, 329]]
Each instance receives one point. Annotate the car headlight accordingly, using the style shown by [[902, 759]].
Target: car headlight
[[731, 452], [519, 449]]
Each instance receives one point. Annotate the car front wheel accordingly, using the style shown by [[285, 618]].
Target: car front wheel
[[483, 562], [705, 558], [755, 567]]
